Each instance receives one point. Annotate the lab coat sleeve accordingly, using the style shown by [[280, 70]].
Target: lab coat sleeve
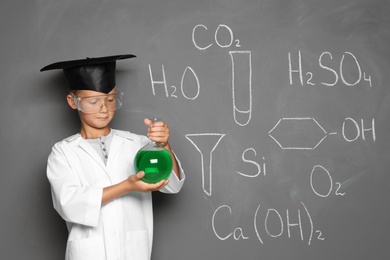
[[74, 203], [175, 184]]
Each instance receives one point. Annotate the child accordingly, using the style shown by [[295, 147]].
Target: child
[[106, 205]]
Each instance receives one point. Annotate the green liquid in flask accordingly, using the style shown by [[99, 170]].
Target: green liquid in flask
[[156, 163]]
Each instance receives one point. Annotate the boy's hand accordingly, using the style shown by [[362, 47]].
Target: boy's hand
[[158, 131], [137, 184], [131, 184]]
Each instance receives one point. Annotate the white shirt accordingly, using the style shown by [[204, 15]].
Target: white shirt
[[121, 229]]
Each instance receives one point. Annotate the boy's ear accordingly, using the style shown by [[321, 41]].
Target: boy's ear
[[70, 100]]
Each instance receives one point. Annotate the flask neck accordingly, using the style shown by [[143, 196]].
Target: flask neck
[[158, 144]]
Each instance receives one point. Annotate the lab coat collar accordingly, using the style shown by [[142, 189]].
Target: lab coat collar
[[124, 134], [114, 148], [117, 140]]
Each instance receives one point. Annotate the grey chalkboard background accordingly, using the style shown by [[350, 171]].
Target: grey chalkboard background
[[283, 105]]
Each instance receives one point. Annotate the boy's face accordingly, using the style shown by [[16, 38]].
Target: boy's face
[[103, 115]]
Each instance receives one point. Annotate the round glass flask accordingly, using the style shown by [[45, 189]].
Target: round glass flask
[[154, 160]]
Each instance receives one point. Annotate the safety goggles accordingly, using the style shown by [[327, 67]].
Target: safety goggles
[[94, 104]]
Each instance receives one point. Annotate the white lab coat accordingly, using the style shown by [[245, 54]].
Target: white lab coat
[[121, 229]]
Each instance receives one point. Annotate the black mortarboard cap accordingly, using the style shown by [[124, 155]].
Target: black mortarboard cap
[[97, 74]]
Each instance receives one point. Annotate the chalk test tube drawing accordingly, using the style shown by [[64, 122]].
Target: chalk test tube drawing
[[298, 133], [206, 143], [241, 86]]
